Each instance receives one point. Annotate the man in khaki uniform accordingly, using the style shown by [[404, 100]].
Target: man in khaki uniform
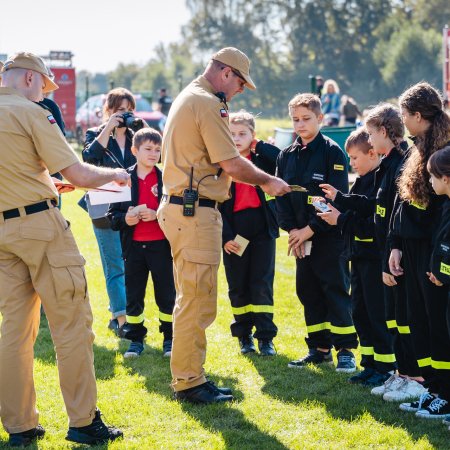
[[40, 261], [197, 138]]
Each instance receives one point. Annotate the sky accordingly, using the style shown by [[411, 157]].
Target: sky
[[100, 33]]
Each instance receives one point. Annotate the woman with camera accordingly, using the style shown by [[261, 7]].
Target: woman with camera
[[109, 145]]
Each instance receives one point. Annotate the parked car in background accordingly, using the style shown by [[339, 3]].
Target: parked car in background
[[90, 114]]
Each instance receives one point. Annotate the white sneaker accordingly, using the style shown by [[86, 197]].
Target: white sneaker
[[390, 384], [407, 390]]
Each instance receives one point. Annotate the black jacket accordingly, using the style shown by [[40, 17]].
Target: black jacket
[[264, 158], [440, 258], [358, 229], [117, 211], [321, 161]]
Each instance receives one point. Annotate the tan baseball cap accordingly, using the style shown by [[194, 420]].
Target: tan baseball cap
[[237, 60], [26, 60]]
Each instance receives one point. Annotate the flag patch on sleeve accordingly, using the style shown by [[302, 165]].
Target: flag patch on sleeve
[[51, 119], [223, 112]]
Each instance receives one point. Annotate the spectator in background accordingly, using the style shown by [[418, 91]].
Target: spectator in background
[[349, 110], [164, 102], [319, 86], [331, 103]]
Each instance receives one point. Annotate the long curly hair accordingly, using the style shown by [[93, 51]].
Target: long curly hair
[[413, 182]]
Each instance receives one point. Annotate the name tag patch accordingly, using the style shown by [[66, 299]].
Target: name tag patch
[[51, 119], [317, 176], [338, 167], [223, 112], [445, 269], [381, 211], [444, 248]]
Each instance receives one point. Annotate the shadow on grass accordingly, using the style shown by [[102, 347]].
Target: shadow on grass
[[341, 399]]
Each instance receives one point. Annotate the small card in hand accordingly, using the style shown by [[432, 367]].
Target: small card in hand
[[137, 209], [297, 188], [242, 244]]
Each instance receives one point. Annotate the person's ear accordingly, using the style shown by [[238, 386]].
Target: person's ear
[[383, 131], [418, 116], [373, 154], [320, 118], [134, 150], [29, 77]]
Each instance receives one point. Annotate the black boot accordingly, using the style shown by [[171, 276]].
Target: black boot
[[247, 345], [204, 393]]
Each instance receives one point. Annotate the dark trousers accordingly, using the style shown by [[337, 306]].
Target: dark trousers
[[323, 283], [149, 257], [369, 315], [397, 323], [250, 277], [427, 309]]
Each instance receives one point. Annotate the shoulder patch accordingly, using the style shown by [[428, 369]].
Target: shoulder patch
[[223, 112], [338, 167], [51, 119]]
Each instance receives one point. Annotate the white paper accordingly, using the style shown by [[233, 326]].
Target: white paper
[[123, 194], [242, 243]]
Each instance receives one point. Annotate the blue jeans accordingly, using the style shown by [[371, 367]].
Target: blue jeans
[[113, 268]]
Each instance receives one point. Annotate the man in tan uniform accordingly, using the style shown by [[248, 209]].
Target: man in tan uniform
[[40, 261], [197, 139]]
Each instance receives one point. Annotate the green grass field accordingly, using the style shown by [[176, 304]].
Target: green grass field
[[275, 407]]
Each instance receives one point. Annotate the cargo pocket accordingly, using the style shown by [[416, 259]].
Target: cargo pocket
[[69, 278], [199, 272]]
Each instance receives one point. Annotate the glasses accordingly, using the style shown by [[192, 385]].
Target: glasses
[[239, 75]]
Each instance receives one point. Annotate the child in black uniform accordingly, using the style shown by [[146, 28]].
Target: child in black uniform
[[369, 315], [417, 213], [439, 169], [248, 214], [322, 278], [145, 248]]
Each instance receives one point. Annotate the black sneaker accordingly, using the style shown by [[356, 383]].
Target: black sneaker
[[134, 350], [362, 376], [346, 362], [439, 408], [95, 433], [424, 401], [247, 345], [26, 437], [114, 326], [266, 347], [377, 379], [167, 348], [205, 393], [313, 357]]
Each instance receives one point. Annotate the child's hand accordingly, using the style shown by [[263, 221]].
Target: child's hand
[[296, 239], [330, 191], [231, 247], [394, 262], [388, 279], [130, 218], [433, 279], [147, 215], [316, 198], [330, 217]]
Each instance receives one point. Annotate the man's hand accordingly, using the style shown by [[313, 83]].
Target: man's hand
[[388, 279], [331, 217], [297, 238], [231, 247], [275, 187], [329, 191], [394, 262], [122, 177], [433, 279], [131, 218]]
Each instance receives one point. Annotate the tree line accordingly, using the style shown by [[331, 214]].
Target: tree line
[[374, 49]]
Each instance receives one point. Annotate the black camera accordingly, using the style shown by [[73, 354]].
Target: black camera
[[131, 122]]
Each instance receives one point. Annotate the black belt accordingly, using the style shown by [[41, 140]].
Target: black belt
[[30, 209], [179, 201]]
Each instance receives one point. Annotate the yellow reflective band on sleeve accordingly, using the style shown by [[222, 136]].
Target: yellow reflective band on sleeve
[[418, 206], [252, 308], [342, 330], [445, 269], [403, 329], [338, 167], [310, 199], [318, 327], [268, 197], [445, 365], [387, 358], [424, 362], [135, 319], [381, 211], [391, 324], [366, 350], [363, 240], [165, 317]]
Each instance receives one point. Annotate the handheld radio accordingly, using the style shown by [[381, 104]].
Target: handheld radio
[[190, 196]]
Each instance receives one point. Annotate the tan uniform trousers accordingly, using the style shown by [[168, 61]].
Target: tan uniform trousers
[[39, 258], [196, 244]]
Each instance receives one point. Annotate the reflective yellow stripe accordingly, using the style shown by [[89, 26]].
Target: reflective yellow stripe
[[388, 358], [253, 308], [440, 364], [403, 329], [418, 206], [366, 350], [424, 362], [165, 317], [381, 211], [338, 167], [268, 197], [318, 327], [135, 319], [310, 199], [445, 269], [391, 324], [363, 240], [343, 330]]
